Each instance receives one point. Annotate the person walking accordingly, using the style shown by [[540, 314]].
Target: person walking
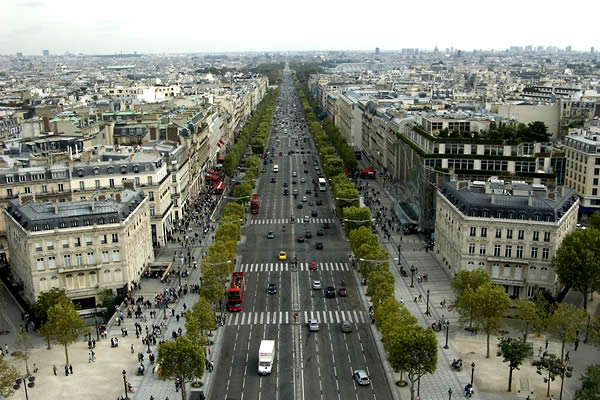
[[71, 369], [54, 369]]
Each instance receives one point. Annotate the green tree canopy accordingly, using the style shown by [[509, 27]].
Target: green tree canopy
[[390, 314], [198, 319], [64, 325], [527, 318], [590, 384], [355, 217], [472, 279], [566, 321], [181, 359], [234, 210], [362, 235], [514, 352], [8, 375], [549, 364], [491, 303], [595, 220], [378, 277], [45, 301], [577, 261]]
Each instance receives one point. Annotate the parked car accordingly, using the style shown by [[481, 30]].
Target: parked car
[[308, 234]]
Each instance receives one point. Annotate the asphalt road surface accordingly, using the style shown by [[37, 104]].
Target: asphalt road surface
[[308, 365]]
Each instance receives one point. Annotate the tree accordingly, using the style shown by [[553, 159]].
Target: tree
[[362, 235], [551, 364], [545, 305], [356, 217], [64, 325], [577, 262], [590, 384], [595, 220], [465, 306], [8, 376], [490, 305], [528, 318], [181, 359], [376, 278], [200, 319], [513, 351], [412, 349], [23, 348], [472, 279], [45, 301], [566, 321], [384, 290], [391, 313]]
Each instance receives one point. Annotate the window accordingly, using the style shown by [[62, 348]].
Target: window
[[473, 230], [10, 179], [103, 239], [38, 246], [81, 185], [27, 189], [51, 262], [44, 189], [496, 250], [40, 264], [509, 233], [97, 183], [498, 233], [483, 232], [546, 236], [89, 241], [545, 253], [90, 258], [506, 270], [77, 242], [519, 251], [65, 244], [67, 260], [9, 192], [151, 196], [111, 183], [137, 181], [105, 256], [61, 187], [115, 238], [536, 235], [521, 235], [508, 251], [50, 245], [534, 252], [79, 259], [152, 212], [116, 255], [149, 180], [482, 250], [471, 248]]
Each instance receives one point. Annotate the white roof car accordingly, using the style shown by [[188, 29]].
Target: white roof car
[[361, 377], [316, 284], [313, 325]]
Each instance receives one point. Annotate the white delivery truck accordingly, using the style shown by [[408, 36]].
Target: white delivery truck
[[266, 355]]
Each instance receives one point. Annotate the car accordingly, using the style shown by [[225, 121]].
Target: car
[[317, 168], [313, 325], [270, 235], [325, 225], [308, 234], [316, 284], [320, 232], [273, 179], [313, 213], [306, 171], [272, 288], [319, 202], [265, 162], [304, 198], [329, 291], [299, 206], [342, 292], [308, 191], [295, 191], [315, 162], [294, 174], [263, 170], [302, 180], [319, 246], [286, 192], [346, 326], [270, 161], [294, 182], [300, 238], [280, 153], [285, 184], [306, 219], [282, 256], [303, 161], [361, 377], [313, 266]]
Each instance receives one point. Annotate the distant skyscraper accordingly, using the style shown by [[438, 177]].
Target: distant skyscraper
[[376, 51], [592, 49], [46, 53], [568, 49], [19, 54]]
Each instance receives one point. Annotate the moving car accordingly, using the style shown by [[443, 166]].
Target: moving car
[[330, 291], [319, 246], [320, 232], [282, 255], [306, 218], [319, 202], [361, 377], [314, 213], [294, 174], [270, 235], [313, 266], [342, 292], [273, 179], [272, 288], [304, 199], [308, 234], [325, 225], [299, 206], [316, 284], [313, 325], [300, 239], [346, 326]]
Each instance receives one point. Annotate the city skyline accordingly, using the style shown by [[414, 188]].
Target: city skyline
[[63, 26]]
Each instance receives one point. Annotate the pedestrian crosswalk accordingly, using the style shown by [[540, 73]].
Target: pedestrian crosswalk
[[284, 267], [287, 317], [298, 220]]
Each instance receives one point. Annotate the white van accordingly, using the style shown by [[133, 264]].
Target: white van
[[275, 168]]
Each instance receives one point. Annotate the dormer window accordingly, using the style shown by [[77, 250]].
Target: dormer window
[[123, 169], [96, 171], [80, 172], [110, 170], [136, 168]]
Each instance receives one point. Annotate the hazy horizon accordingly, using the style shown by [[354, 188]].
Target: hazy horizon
[[156, 27]]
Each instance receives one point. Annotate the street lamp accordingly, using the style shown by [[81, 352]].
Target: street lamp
[[472, 372], [125, 383], [447, 324], [427, 311], [20, 380], [450, 394], [412, 276]]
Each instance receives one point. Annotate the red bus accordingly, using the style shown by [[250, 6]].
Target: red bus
[[235, 293], [254, 204]]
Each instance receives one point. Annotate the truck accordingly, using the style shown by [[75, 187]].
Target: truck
[[368, 173], [266, 355], [235, 293], [254, 203]]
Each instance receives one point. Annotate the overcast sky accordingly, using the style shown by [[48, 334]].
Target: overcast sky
[[163, 26]]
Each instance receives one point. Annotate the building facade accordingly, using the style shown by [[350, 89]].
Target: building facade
[[583, 169], [83, 247], [512, 231]]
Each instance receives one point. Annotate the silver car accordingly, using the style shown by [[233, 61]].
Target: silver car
[[313, 325], [361, 377], [316, 284]]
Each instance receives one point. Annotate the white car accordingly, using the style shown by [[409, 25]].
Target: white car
[[316, 284], [361, 377], [313, 325]]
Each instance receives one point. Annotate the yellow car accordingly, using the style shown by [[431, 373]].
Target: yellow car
[[282, 255]]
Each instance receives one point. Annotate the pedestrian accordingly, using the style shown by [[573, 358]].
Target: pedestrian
[[89, 358], [66, 370], [71, 369], [540, 352], [54, 369], [6, 349], [567, 357], [93, 343], [576, 343]]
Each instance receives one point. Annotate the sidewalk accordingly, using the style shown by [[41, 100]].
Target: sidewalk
[[490, 375]]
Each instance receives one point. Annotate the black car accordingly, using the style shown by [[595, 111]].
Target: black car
[[272, 288], [329, 291], [320, 232], [325, 225], [308, 191], [308, 234], [319, 246], [286, 192], [273, 180], [319, 202], [306, 171], [300, 239], [299, 206], [314, 213], [285, 184]]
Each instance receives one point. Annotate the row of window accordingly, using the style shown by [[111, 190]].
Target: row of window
[[507, 270], [77, 242], [83, 280], [508, 251], [77, 260], [535, 235]]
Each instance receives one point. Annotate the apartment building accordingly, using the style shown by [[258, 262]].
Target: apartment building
[[83, 247], [582, 154], [511, 230]]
